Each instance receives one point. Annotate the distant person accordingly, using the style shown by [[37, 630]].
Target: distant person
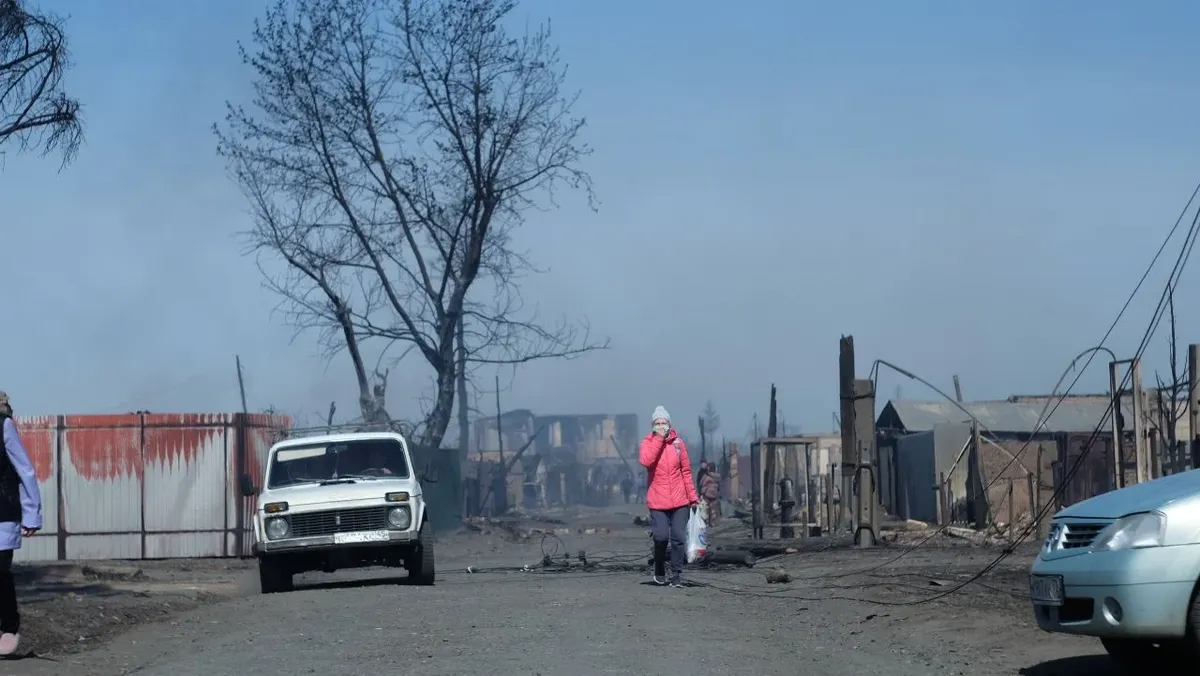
[[669, 495], [20, 517], [627, 487], [710, 492]]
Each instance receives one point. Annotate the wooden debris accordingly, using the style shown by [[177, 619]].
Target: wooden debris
[[731, 557]]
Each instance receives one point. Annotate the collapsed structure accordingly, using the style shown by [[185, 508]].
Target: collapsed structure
[[551, 460]]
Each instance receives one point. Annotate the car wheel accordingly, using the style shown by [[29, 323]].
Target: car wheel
[[420, 562], [273, 577], [1139, 654]]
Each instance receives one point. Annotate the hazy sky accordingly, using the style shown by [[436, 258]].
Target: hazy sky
[[966, 188]]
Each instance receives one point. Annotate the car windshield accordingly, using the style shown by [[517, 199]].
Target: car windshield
[[359, 460]]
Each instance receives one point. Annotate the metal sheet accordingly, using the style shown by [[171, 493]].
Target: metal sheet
[[102, 474], [184, 545], [40, 439], [1074, 414], [185, 472], [93, 547], [144, 486], [249, 448], [41, 547]]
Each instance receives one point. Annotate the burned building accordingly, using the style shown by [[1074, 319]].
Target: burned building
[[563, 459], [924, 451]]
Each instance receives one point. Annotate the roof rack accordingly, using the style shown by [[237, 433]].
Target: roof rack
[[343, 428]]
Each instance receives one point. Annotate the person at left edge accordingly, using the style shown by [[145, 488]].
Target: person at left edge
[[20, 517]]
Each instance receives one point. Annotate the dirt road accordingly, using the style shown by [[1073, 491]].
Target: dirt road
[[833, 618]]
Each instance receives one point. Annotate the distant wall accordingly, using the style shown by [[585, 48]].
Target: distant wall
[[145, 486]]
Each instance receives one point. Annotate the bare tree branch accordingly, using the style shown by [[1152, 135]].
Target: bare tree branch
[[1169, 396], [34, 110], [388, 154]]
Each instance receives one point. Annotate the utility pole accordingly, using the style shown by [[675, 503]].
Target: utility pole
[[976, 487], [1194, 403], [846, 420], [241, 384], [858, 438], [1141, 444], [1114, 384]]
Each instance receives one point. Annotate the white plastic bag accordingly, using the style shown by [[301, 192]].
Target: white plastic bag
[[697, 535]]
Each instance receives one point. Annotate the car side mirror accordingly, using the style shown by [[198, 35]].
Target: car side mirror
[[430, 474], [246, 486]]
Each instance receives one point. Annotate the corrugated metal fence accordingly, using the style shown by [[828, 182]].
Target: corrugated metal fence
[[145, 486]]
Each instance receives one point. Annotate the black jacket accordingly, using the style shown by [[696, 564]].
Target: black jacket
[[10, 484]]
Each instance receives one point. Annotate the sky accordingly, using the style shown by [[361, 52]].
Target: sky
[[966, 188]]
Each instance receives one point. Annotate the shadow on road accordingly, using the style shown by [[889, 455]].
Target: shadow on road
[[1085, 665], [354, 584], [42, 594]]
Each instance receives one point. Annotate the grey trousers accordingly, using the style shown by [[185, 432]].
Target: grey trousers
[[670, 527]]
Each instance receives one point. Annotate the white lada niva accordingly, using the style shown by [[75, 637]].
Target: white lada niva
[[339, 501]]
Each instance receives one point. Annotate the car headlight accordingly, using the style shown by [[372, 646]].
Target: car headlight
[[277, 528], [399, 518], [1135, 531]]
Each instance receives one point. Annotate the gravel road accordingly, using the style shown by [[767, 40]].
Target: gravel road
[[612, 621]]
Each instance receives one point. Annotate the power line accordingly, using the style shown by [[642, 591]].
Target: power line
[[1173, 278], [1047, 410], [602, 566]]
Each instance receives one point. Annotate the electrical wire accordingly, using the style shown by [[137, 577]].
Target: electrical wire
[[1043, 419], [1156, 320], [1047, 410], [612, 564]]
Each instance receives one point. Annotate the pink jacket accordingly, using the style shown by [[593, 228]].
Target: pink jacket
[[669, 472]]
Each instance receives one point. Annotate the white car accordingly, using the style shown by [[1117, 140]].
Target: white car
[[1124, 567], [340, 501]]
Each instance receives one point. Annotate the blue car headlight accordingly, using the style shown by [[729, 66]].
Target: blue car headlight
[[1135, 531]]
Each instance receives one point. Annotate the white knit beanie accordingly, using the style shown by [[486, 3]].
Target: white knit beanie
[[660, 413]]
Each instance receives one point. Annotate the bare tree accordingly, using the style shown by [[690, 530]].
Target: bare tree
[[1170, 395], [389, 153], [34, 110]]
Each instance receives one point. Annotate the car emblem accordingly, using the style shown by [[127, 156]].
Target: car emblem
[[337, 519], [1054, 540]]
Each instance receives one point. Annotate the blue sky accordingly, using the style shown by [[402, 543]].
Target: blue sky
[[965, 188]]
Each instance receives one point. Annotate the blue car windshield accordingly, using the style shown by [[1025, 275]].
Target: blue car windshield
[[347, 461]]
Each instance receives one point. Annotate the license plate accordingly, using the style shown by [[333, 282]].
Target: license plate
[[1046, 590], [362, 536]]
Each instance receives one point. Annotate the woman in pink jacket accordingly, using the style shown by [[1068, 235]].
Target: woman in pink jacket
[[670, 495]]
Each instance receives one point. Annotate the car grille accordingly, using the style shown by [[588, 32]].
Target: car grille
[[1081, 534], [338, 521]]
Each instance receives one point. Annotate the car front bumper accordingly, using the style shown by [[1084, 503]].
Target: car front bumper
[[326, 542], [1142, 593]]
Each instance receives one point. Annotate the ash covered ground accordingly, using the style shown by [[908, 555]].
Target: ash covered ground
[[845, 611]]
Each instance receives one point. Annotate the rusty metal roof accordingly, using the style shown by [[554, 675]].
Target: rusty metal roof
[[1083, 415]]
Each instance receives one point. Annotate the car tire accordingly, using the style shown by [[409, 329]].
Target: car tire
[[273, 577], [421, 569], [1138, 655]]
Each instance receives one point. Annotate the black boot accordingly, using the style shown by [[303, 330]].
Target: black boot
[[660, 562]]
